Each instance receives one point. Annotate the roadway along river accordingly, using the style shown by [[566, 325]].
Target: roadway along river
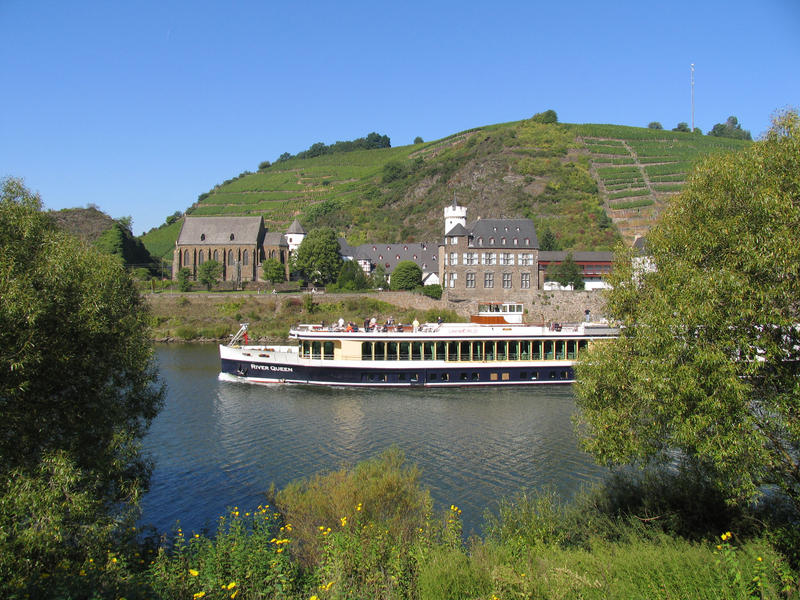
[[219, 444]]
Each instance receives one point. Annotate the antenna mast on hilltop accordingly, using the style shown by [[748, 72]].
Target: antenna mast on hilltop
[[692, 65]]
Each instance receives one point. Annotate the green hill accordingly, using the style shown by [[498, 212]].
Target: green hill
[[587, 184], [100, 230]]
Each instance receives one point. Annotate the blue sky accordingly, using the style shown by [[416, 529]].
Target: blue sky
[[139, 107]]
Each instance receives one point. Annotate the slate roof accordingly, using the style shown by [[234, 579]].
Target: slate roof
[[217, 231], [458, 229], [275, 238], [425, 254], [501, 233], [295, 227]]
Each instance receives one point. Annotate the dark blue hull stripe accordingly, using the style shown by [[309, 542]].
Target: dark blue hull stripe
[[411, 376]]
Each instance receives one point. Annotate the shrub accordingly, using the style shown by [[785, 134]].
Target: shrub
[[432, 291]]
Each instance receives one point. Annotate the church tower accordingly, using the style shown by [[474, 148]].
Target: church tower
[[454, 215]]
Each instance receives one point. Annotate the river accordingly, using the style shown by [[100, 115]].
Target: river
[[220, 444]]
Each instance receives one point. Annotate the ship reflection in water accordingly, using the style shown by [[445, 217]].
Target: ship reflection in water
[[218, 444]]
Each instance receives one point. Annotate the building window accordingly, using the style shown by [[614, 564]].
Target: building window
[[186, 260], [491, 241], [506, 258], [454, 258], [526, 259], [470, 280], [507, 280], [230, 258], [216, 255], [480, 241], [503, 240], [525, 281], [516, 242], [453, 278], [470, 258], [245, 258], [527, 241], [488, 280], [201, 257]]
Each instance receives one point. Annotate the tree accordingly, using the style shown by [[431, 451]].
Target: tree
[[78, 392], [731, 129], [272, 270], [655, 125], [706, 363], [185, 279], [682, 126], [568, 272], [406, 276], [318, 258], [209, 272], [547, 117], [378, 277], [351, 277], [548, 241], [418, 140]]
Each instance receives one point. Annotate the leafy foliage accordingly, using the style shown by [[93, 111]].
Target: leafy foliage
[[272, 270], [730, 129], [706, 362], [406, 276], [209, 273], [318, 257], [655, 125], [567, 272], [352, 277], [546, 117], [78, 392]]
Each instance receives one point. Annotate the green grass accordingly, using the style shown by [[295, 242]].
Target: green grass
[[632, 204], [629, 193]]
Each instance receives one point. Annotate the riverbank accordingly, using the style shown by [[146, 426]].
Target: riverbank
[[212, 317]]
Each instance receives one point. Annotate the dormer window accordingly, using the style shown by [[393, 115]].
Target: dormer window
[[491, 241], [415, 257], [405, 248], [480, 241], [506, 228], [516, 241], [503, 241], [397, 257], [202, 237], [527, 241]]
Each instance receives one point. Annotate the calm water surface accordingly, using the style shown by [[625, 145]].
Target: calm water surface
[[219, 444]]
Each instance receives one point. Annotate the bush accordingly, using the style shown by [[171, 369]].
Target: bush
[[546, 117], [432, 291]]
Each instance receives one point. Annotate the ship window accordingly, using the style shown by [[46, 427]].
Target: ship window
[[572, 349], [428, 351], [477, 350], [516, 348], [564, 375], [464, 376], [474, 376], [391, 351], [316, 349], [404, 350], [492, 376], [582, 345], [561, 349], [380, 350], [440, 351], [445, 376], [452, 351], [552, 374], [501, 350], [548, 350], [416, 350], [536, 350], [432, 376], [505, 376], [464, 351], [401, 377], [535, 375], [366, 350], [328, 350]]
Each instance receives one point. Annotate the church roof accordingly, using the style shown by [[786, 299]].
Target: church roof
[[275, 238], [220, 231], [295, 227]]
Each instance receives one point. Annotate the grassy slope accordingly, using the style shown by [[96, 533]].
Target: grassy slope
[[568, 178]]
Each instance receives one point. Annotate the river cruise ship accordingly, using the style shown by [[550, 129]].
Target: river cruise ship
[[495, 348]]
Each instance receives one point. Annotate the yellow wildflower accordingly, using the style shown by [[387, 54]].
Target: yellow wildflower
[[198, 595], [343, 521], [233, 595], [759, 559], [231, 585], [193, 572]]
